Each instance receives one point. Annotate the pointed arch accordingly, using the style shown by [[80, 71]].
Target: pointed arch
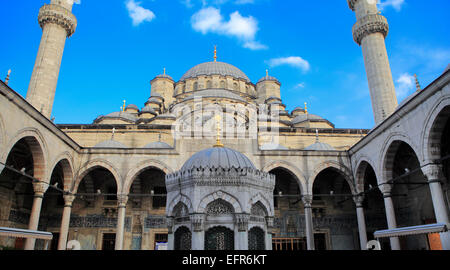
[[340, 168], [300, 177], [93, 164], [38, 148], [263, 200], [66, 161], [142, 166], [219, 195], [180, 198]]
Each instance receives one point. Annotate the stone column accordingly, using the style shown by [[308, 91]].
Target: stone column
[[39, 190], [390, 214], [361, 221], [63, 232], [269, 224], [242, 237], [434, 174], [307, 201], [198, 233], [170, 236], [121, 205]]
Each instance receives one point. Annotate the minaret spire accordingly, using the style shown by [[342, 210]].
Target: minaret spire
[[418, 88], [370, 31], [7, 77], [57, 23]]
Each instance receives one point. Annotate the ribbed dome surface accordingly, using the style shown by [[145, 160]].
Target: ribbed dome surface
[[218, 157], [319, 146], [110, 144], [157, 145], [215, 68]]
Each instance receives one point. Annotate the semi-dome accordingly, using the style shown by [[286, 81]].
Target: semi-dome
[[218, 157], [110, 144], [215, 68], [268, 78]]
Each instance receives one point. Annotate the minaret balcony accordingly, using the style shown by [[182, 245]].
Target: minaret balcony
[[369, 24], [58, 15]]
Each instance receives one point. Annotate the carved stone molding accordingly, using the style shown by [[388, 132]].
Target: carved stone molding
[[57, 15], [242, 222], [170, 222], [370, 24], [197, 222], [269, 222]]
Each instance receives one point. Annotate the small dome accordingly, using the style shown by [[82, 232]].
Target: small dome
[[305, 117], [273, 146], [110, 144], [157, 145], [148, 109], [298, 109], [132, 106], [216, 157], [319, 146], [163, 76], [154, 100], [121, 115], [268, 78], [215, 68]]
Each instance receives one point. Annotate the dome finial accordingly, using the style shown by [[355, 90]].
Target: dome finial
[[164, 71], [306, 108], [218, 142], [124, 102], [215, 53], [267, 73]]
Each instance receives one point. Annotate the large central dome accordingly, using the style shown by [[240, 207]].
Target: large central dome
[[215, 68]]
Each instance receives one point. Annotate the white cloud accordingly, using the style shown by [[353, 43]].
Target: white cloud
[[210, 20], [139, 14], [300, 85], [396, 4], [405, 86], [294, 61]]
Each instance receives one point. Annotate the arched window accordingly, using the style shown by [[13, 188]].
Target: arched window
[[195, 86], [256, 239], [183, 239], [222, 84], [235, 86], [219, 238], [208, 84]]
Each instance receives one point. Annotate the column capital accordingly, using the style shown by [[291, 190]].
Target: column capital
[[122, 200], [39, 188], [433, 172], [170, 222], [68, 200], [242, 221], [58, 15], [197, 221], [359, 199], [307, 200]]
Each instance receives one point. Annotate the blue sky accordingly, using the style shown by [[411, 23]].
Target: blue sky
[[120, 45]]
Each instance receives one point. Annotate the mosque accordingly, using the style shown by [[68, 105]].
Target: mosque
[[214, 161]]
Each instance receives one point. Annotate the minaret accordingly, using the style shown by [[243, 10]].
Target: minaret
[[370, 32], [57, 23]]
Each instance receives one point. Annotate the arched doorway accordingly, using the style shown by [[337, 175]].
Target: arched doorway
[[333, 211], [373, 204], [93, 220], [256, 239], [289, 210], [53, 202], [410, 192], [25, 161], [183, 239], [219, 238]]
